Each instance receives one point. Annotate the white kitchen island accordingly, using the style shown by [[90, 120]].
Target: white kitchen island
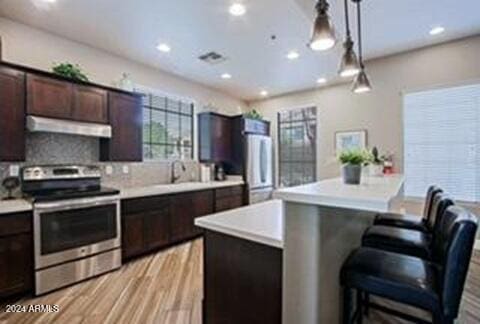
[[323, 223]]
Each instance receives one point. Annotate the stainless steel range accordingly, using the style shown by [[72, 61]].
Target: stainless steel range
[[76, 224]]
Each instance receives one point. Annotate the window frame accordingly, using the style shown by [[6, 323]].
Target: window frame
[[291, 123], [148, 107]]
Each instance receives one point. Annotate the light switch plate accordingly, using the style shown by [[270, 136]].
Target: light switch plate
[[14, 170], [126, 169], [108, 170]]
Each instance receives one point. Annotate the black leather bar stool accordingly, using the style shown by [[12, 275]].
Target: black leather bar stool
[[436, 288], [415, 222], [408, 241]]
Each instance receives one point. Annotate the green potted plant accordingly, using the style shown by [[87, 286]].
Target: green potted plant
[[376, 165], [352, 163], [71, 71], [253, 114]]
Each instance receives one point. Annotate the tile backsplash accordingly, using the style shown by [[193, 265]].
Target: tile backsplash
[[47, 148]]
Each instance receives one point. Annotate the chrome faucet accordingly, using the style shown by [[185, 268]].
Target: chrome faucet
[[173, 176]]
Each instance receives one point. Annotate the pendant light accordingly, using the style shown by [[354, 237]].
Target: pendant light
[[349, 65], [361, 84], [323, 32]]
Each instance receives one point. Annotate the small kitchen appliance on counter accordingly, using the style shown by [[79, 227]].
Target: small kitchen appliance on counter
[[76, 224], [10, 184]]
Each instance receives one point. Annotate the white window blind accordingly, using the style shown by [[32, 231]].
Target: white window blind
[[442, 141]]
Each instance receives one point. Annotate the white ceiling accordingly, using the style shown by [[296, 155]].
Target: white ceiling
[[132, 29]]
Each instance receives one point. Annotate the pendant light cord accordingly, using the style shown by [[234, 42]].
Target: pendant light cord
[[359, 21], [347, 22]]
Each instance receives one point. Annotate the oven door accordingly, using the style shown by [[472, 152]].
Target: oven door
[[72, 229]]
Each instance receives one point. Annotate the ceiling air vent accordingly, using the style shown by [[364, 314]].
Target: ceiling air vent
[[212, 58]]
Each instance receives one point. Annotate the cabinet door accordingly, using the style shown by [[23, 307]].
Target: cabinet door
[[12, 115], [202, 204], [90, 104], [157, 228], [181, 216], [125, 116], [48, 97], [133, 236], [221, 138], [16, 272]]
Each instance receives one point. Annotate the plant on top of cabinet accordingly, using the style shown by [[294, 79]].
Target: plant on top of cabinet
[[70, 71], [253, 114]]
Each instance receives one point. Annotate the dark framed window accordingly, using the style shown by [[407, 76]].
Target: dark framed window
[[297, 138], [167, 128]]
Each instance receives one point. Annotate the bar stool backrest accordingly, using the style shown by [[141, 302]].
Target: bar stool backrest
[[441, 202], [431, 193], [458, 231]]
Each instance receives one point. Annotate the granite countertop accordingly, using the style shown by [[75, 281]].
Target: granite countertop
[[261, 223], [163, 189], [14, 206], [373, 194], [20, 205]]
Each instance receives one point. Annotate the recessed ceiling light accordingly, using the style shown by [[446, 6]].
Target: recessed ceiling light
[[226, 76], [264, 93], [50, 1], [293, 55], [321, 80], [237, 9], [163, 48], [437, 30]]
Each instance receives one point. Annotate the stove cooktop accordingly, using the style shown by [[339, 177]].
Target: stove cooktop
[[64, 194]]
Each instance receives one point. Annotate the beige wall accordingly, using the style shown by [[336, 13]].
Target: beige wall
[[380, 112], [32, 47]]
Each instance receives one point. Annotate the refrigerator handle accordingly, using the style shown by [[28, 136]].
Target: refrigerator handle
[[263, 161]]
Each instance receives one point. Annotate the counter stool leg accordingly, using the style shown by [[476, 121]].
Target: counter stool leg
[[347, 305], [359, 311], [366, 301]]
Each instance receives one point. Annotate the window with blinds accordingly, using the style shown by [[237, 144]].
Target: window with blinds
[[297, 138], [442, 141], [167, 128]]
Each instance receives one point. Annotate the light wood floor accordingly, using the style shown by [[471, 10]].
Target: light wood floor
[[166, 288]]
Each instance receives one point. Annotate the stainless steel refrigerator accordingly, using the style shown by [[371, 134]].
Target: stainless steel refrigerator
[[259, 165]]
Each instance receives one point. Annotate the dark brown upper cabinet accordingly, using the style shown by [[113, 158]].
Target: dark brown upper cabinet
[[47, 97], [90, 104], [12, 115], [215, 137], [125, 117]]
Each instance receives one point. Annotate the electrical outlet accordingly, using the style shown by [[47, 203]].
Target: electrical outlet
[[108, 170], [14, 170], [126, 169]]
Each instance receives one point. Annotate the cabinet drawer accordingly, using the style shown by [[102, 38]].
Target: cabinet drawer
[[229, 191], [15, 223], [144, 204]]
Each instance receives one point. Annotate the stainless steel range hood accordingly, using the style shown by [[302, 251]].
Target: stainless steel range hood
[[51, 125]]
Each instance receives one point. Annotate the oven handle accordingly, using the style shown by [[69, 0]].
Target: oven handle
[[76, 203]]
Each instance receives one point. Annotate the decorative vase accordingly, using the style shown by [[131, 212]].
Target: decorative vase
[[352, 174], [125, 82]]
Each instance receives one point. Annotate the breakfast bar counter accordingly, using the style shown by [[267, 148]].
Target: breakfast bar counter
[[323, 223]]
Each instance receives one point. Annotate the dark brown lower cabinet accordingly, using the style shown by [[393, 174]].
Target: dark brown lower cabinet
[[151, 223], [184, 209], [145, 225], [229, 198], [157, 229], [242, 281], [133, 236], [16, 254]]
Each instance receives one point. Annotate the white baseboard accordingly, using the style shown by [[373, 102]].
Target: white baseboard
[[477, 245]]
